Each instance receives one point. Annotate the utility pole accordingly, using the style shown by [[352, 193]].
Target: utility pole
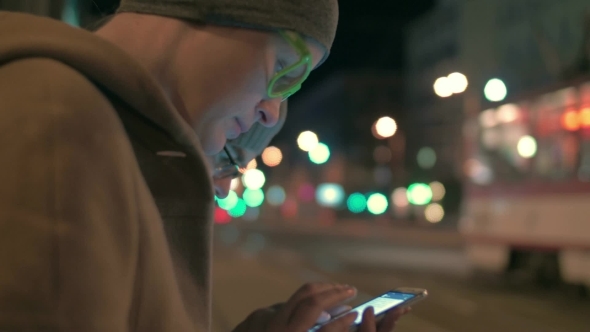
[[548, 51]]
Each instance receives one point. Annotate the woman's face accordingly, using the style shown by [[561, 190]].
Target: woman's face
[[233, 87]]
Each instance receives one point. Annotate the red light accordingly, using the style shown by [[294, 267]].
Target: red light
[[585, 117], [306, 192], [570, 121], [289, 208], [221, 216]]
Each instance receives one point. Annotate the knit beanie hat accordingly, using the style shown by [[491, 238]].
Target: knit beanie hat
[[315, 19], [258, 137]]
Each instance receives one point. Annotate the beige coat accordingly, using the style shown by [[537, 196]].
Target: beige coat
[[98, 174]]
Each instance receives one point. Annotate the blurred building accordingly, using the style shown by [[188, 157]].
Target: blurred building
[[434, 123], [527, 44], [432, 51]]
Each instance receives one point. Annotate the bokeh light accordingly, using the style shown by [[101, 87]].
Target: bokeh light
[[458, 82], [382, 154], [356, 203], [488, 118], [419, 194], [307, 141], [290, 208], [229, 202], [385, 127], [442, 87], [377, 203], [527, 146], [478, 172], [252, 164], [306, 192], [434, 213], [253, 197], [495, 90], [329, 194], [570, 121], [426, 157], [275, 195], [238, 210], [399, 197], [253, 179], [272, 156], [507, 113], [252, 213], [320, 154], [438, 190], [585, 117], [220, 216], [235, 184]]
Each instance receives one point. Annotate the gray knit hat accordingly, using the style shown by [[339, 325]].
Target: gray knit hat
[[258, 137], [316, 19]]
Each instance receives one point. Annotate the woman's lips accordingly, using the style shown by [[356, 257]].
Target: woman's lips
[[236, 130], [242, 125]]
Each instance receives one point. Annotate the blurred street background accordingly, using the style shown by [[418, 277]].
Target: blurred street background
[[255, 267], [444, 145]]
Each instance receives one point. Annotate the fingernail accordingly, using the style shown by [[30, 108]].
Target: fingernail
[[324, 317], [370, 310]]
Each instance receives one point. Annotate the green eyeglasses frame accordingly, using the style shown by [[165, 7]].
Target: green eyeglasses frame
[[300, 47]]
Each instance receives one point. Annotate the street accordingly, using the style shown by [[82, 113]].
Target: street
[[253, 269]]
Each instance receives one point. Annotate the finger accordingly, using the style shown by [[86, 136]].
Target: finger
[[260, 321], [333, 312], [368, 323], [388, 322], [313, 288], [341, 324], [255, 321], [303, 292], [306, 313], [339, 310], [276, 306]]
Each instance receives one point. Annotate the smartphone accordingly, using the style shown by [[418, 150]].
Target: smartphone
[[399, 297]]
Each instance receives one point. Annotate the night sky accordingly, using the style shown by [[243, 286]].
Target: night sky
[[370, 36]]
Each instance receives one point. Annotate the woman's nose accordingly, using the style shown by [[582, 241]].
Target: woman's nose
[[269, 112]]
